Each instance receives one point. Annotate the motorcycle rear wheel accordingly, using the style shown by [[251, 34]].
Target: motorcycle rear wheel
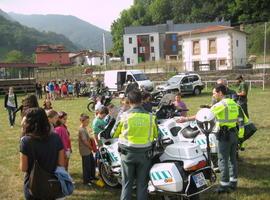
[[91, 106], [108, 178]]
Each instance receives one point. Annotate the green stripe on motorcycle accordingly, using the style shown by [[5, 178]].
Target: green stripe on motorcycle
[[158, 175], [164, 174]]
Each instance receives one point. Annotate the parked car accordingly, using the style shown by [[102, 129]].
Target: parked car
[[186, 83]]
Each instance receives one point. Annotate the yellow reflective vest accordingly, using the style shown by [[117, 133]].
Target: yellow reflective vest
[[228, 113], [137, 128]]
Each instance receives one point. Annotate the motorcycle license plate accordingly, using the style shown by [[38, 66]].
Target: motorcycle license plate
[[199, 180]]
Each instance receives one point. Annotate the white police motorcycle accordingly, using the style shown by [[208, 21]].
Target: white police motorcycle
[[186, 132], [180, 170]]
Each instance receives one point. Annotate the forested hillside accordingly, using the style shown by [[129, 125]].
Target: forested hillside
[[149, 12], [14, 36], [81, 33]]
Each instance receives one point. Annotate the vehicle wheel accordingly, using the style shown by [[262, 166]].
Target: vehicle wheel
[[108, 178], [91, 106], [197, 91]]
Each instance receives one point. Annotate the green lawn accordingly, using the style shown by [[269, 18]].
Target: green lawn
[[254, 167]]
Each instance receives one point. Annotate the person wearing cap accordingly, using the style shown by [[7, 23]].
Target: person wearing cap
[[227, 114], [136, 131], [242, 94]]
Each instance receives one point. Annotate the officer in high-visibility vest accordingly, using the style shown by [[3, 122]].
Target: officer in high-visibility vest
[[136, 131], [226, 112]]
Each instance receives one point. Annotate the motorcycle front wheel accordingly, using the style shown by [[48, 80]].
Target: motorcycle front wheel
[[107, 177], [91, 106]]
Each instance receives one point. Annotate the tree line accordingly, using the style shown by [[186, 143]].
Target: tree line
[[150, 12]]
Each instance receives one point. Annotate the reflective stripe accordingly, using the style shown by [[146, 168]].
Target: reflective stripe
[[226, 110], [224, 183], [150, 131], [227, 120], [128, 144], [233, 179], [125, 125]]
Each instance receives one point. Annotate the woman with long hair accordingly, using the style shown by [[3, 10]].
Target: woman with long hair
[[38, 143]]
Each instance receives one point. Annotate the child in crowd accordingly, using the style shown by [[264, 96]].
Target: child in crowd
[[125, 105], [62, 131], [57, 90], [70, 90], [64, 90], [98, 104], [99, 123], [47, 105], [53, 118], [113, 112], [85, 149], [179, 104], [146, 101]]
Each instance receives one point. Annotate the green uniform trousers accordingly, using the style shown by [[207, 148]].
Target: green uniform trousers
[[227, 162], [135, 167]]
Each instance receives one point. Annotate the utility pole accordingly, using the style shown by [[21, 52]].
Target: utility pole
[[264, 56], [104, 52]]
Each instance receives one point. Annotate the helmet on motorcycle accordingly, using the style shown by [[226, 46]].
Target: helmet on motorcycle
[[206, 120]]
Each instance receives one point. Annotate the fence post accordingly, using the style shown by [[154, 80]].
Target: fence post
[[249, 85]]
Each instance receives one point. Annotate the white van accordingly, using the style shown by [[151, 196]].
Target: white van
[[115, 80]]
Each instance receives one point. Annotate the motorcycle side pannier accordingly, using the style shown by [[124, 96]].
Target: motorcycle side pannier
[[166, 177]]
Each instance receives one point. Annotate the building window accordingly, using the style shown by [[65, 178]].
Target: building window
[[196, 47], [174, 37], [174, 49], [152, 38], [153, 58], [152, 49], [134, 50], [237, 43], [130, 40], [222, 62], [142, 50], [212, 46], [128, 61]]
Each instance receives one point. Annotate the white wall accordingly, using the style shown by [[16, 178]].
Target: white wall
[[239, 53], [155, 44], [223, 51], [128, 49]]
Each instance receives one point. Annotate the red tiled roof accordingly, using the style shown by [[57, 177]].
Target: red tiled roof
[[209, 29]]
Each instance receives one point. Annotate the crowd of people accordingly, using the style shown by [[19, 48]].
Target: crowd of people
[[46, 136], [59, 89]]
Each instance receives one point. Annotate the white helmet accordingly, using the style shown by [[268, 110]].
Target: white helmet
[[206, 120]]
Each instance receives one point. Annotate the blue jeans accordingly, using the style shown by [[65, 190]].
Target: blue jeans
[[11, 115]]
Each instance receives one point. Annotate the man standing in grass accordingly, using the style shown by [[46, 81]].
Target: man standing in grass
[[136, 131], [242, 94]]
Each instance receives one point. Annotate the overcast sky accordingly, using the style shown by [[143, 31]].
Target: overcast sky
[[97, 12]]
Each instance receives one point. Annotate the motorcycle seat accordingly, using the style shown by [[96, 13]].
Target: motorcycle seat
[[189, 132]]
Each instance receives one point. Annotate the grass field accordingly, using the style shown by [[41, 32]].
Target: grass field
[[254, 167]]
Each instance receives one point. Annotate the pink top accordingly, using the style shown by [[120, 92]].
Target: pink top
[[64, 135]]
